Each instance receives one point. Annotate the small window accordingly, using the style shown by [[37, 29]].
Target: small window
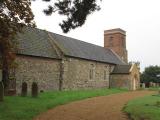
[[111, 41], [106, 72], [91, 72], [110, 69]]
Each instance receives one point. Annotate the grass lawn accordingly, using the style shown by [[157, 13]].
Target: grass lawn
[[145, 108], [25, 108], [154, 88]]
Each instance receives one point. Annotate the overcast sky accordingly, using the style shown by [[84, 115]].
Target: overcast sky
[[139, 18]]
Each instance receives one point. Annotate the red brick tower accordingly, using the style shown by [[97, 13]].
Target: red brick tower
[[115, 39]]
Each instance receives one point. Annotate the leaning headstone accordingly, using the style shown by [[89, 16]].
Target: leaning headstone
[[153, 84], [34, 89], [1, 91], [24, 89], [150, 84], [157, 84], [143, 85]]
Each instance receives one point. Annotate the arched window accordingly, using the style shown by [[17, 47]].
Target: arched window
[[106, 72], [91, 72]]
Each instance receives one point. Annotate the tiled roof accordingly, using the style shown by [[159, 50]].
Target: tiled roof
[[36, 42], [80, 49], [122, 69]]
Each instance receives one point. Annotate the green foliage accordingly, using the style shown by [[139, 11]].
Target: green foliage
[[150, 74], [25, 108], [14, 14], [34, 89], [145, 108], [1, 91], [24, 89], [76, 11]]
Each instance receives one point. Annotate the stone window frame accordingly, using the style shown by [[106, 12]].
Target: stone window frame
[[107, 72], [92, 72]]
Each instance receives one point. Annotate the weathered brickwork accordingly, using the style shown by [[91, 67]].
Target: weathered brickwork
[[116, 40], [77, 74], [41, 70]]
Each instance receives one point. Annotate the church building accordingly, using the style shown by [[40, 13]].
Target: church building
[[57, 62]]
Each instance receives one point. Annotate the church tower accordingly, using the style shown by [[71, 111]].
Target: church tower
[[115, 39]]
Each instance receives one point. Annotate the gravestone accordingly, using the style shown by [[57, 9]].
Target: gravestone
[[157, 85], [24, 89], [150, 84], [1, 91], [143, 85], [153, 84], [1, 87], [34, 89]]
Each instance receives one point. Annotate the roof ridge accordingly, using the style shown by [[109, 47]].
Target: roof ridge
[[78, 40], [68, 37], [116, 55], [73, 38]]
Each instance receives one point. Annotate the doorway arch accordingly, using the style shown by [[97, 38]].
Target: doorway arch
[[135, 82]]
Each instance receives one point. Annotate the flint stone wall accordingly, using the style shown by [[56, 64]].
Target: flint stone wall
[[35, 69], [120, 81], [46, 72], [129, 81], [77, 74]]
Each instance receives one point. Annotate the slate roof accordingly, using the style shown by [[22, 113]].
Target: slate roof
[[36, 42], [122, 69]]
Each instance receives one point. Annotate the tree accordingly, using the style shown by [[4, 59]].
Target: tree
[[151, 74], [14, 14], [76, 11]]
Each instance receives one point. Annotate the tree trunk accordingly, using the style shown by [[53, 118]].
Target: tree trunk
[[5, 75]]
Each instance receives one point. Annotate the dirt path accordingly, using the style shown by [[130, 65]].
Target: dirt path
[[98, 108]]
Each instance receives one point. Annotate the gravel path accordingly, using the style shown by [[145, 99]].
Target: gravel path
[[98, 108]]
